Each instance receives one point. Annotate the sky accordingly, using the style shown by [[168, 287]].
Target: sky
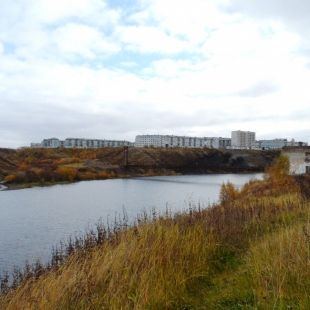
[[114, 69]]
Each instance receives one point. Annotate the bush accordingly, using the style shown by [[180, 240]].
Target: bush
[[10, 178], [279, 177], [228, 193], [67, 173]]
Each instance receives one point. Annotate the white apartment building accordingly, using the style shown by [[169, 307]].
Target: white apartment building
[[242, 139], [170, 141], [81, 143]]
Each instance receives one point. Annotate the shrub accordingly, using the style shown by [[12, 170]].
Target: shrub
[[68, 173], [228, 193], [10, 178], [279, 177], [103, 175]]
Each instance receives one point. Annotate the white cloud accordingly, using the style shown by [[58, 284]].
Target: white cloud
[[200, 66], [278, 9], [58, 11], [144, 39], [192, 20], [82, 40], [75, 26]]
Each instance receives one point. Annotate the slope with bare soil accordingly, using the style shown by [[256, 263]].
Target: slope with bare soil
[[202, 160], [56, 165], [6, 165]]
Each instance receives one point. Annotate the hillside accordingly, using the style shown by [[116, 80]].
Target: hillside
[[6, 165], [57, 165], [251, 251]]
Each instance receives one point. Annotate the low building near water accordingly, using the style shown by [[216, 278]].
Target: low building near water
[[299, 157]]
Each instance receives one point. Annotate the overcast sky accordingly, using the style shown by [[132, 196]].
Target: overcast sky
[[113, 69]]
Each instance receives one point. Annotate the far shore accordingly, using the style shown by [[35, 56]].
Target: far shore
[[7, 187], [16, 186]]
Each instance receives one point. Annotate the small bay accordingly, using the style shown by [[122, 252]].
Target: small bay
[[34, 220]]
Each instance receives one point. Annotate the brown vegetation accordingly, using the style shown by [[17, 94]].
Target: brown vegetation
[[249, 252], [45, 166]]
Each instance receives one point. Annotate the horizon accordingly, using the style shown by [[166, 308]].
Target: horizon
[[133, 141]]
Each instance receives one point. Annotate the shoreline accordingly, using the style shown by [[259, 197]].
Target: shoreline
[[14, 186], [7, 187]]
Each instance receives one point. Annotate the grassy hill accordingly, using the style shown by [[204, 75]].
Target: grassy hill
[[251, 251], [43, 166]]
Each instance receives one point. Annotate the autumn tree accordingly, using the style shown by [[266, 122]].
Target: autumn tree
[[228, 193], [279, 176]]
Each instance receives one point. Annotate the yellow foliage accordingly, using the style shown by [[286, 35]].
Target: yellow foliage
[[103, 175], [279, 176], [22, 166], [106, 175], [10, 178], [228, 192], [68, 173], [74, 160]]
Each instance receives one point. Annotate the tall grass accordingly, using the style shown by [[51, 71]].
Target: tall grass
[[249, 252]]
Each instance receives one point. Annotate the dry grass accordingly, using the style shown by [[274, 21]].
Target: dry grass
[[251, 252], [280, 267]]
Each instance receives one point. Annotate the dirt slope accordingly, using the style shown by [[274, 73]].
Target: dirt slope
[[26, 163], [6, 165]]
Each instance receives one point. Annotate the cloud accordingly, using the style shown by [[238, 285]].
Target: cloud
[[294, 16], [262, 88], [82, 40], [281, 9], [190, 20], [33, 29], [106, 69], [146, 39]]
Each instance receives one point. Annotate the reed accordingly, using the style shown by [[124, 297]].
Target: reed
[[249, 252]]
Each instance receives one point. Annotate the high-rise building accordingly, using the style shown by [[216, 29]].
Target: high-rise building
[[242, 139]]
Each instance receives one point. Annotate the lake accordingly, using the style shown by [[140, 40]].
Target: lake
[[34, 220]]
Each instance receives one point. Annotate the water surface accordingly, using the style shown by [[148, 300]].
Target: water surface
[[35, 219]]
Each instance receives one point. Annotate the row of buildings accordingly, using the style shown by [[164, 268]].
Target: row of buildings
[[238, 140], [80, 143]]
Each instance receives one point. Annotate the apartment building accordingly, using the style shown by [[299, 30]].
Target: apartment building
[[170, 141], [51, 143], [81, 143], [242, 139], [274, 144]]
